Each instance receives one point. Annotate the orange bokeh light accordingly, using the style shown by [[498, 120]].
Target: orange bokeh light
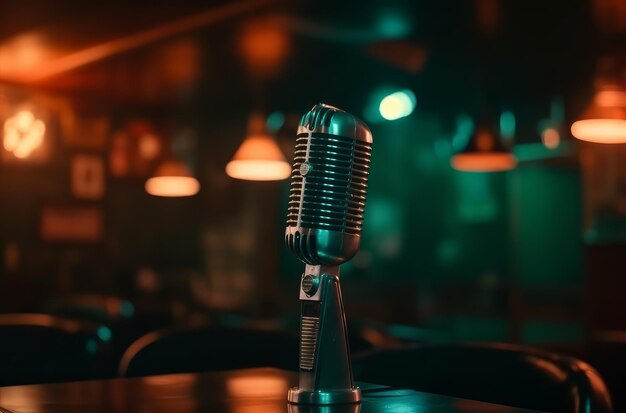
[[23, 134], [551, 138], [600, 130], [604, 119], [259, 159], [258, 170], [172, 179], [264, 45], [483, 162], [172, 186]]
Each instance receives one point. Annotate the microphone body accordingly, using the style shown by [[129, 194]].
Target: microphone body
[[324, 222]]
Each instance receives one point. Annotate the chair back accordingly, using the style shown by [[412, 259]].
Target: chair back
[[38, 348], [96, 308], [496, 373], [209, 349]]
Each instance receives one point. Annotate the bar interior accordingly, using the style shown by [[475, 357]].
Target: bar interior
[[313, 206]]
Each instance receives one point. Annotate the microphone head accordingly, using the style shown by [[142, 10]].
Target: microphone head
[[328, 186]]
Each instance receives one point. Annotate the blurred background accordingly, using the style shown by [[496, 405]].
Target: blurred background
[[118, 120]]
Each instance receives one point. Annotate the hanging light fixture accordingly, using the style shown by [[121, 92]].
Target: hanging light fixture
[[259, 158], [604, 119], [172, 179], [484, 153]]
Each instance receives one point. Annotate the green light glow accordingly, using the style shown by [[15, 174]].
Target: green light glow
[[275, 121], [397, 105], [393, 25], [91, 346], [127, 309], [507, 125], [463, 133], [104, 333]]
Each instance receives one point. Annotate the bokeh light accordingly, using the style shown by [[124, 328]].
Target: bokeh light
[[551, 138], [259, 158], [23, 134], [172, 179], [397, 105], [600, 130]]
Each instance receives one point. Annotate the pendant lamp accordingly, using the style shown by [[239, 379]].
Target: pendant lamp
[[259, 158], [604, 119], [484, 153], [172, 179]]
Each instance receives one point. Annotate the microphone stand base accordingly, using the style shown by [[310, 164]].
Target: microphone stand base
[[324, 397]]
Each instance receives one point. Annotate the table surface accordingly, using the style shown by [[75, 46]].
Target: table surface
[[241, 391]]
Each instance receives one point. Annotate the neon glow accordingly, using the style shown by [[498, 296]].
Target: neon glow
[[23, 134], [397, 105]]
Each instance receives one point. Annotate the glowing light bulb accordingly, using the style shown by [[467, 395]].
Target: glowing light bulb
[[172, 179], [600, 130], [604, 120], [259, 159], [23, 133], [397, 105]]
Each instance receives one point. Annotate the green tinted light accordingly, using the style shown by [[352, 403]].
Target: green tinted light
[[127, 309], [104, 333], [393, 25], [91, 346], [275, 121], [397, 105], [463, 133], [507, 125]]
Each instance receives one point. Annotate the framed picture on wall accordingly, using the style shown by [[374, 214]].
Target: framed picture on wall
[[87, 176]]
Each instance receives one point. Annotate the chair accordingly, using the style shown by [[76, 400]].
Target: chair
[[91, 307], [209, 349], [496, 373], [38, 348]]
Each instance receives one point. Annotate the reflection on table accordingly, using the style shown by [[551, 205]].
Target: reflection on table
[[241, 391]]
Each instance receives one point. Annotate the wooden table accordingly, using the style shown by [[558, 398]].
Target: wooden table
[[241, 391]]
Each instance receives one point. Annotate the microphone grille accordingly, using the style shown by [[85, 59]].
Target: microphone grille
[[329, 182]]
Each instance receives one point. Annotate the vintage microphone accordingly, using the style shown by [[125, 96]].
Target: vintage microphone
[[324, 221]]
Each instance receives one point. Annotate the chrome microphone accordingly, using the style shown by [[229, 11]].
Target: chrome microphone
[[324, 222]]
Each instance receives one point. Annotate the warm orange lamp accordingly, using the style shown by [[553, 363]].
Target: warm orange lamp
[[604, 120], [484, 153], [23, 134], [172, 179], [259, 157]]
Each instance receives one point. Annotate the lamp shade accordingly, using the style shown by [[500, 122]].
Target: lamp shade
[[604, 119], [172, 179], [484, 153], [259, 158]]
